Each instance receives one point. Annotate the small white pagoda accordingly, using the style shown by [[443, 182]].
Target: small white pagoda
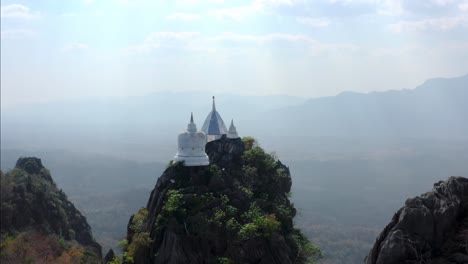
[[232, 133], [191, 146]]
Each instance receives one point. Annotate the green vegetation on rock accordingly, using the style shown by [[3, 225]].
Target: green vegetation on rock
[[235, 210], [38, 222]]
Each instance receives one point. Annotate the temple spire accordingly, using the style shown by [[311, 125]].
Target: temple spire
[[232, 133], [214, 106], [191, 127]]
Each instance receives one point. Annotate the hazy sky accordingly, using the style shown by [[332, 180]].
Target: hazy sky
[[56, 49]]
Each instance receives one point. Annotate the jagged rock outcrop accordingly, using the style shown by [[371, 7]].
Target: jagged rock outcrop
[[431, 228], [32, 205], [234, 211], [225, 153], [109, 256]]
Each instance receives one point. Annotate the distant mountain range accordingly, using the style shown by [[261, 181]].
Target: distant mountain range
[[145, 127], [437, 109]]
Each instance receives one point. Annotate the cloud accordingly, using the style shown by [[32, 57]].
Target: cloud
[[425, 8], [313, 22], [197, 2], [183, 16], [18, 11], [284, 41], [236, 13], [165, 39], [156, 37], [257, 6], [463, 6], [381, 7], [262, 39], [194, 41], [442, 2], [442, 24], [17, 33], [390, 7], [74, 46], [304, 44]]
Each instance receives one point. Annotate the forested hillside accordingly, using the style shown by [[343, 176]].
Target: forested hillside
[[38, 222]]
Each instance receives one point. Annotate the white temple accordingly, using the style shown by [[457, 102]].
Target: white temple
[[232, 133], [191, 143], [214, 126], [191, 146]]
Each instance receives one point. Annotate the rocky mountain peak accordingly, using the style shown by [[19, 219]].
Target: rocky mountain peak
[[431, 228], [235, 210], [33, 210], [31, 165]]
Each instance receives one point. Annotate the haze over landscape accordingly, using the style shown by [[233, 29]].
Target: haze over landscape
[[365, 101]]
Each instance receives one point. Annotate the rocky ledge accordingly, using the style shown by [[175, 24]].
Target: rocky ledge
[[431, 228]]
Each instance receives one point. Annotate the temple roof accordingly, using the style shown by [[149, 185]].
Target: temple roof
[[214, 124]]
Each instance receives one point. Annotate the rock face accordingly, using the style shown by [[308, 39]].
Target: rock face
[[225, 152], [32, 201], [431, 228], [234, 211]]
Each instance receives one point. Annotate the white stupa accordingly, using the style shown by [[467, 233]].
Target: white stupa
[[191, 146], [214, 126], [232, 133]]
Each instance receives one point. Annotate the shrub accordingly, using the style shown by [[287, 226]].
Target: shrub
[[139, 220], [247, 191], [174, 205], [115, 260], [123, 244], [230, 210], [283, 210], [267, 224], [223, 260], [306, 252], [253, 213], [232, 225], [249, 142], [258, 224], [219, 215], [258, 158], [214, 170], [139, 241], [281, 172], [248, 231]]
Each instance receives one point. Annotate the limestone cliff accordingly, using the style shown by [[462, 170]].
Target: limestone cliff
[[431, 228], [38, 222], [234, 211]]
